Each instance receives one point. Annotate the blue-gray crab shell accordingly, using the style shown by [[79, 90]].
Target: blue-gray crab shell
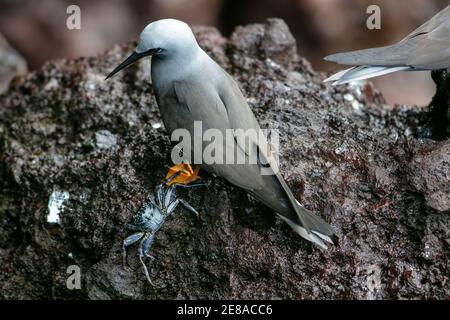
[[150, 217]]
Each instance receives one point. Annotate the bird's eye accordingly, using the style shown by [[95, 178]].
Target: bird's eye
[[153, 51]]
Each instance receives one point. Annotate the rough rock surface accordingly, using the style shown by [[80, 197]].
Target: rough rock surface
[[98, 145]]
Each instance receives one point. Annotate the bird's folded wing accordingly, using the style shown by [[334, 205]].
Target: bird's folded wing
[[433, 51], [241, 117], [394, 55], [205, 105], [439, 19], [222, 107]]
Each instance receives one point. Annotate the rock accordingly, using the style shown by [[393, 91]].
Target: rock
[[278, 44], [346, 155], [105, 139], [271, 41], [430, 174], [11, 64]]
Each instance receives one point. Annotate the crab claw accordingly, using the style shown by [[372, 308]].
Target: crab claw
[[182, 174]]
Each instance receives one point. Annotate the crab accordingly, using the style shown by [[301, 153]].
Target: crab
[[151, 217]]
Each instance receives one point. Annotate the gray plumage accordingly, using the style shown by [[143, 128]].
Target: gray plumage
[[189, 86], [426, 48]]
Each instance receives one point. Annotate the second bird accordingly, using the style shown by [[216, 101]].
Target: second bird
[[426, 48], [189, 86]]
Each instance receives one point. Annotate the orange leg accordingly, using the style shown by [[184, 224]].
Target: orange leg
[[186, 174]]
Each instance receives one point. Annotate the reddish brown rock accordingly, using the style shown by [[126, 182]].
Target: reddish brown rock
[[430, 174]]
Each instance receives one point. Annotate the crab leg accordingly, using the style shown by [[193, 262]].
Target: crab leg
[[147, 244], [129, 241], [188, 207], [141, 257], [186, 174], [193, 185]]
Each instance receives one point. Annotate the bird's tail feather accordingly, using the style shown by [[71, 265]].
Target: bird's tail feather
[[362, 73], [319, 231], [315, 223], [337, 76], [313, 236]]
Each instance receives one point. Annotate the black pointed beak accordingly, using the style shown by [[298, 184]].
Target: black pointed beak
[[132, 59]]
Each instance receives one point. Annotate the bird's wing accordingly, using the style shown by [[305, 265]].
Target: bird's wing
[[224, 107], [205, 105], [433, 50], [436, 21], [393, 55], [241, 117]]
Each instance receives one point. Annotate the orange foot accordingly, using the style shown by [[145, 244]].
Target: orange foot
[[185, 173]]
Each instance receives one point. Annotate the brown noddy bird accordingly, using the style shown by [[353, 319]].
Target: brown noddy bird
[[189, 86], [426, 48]]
